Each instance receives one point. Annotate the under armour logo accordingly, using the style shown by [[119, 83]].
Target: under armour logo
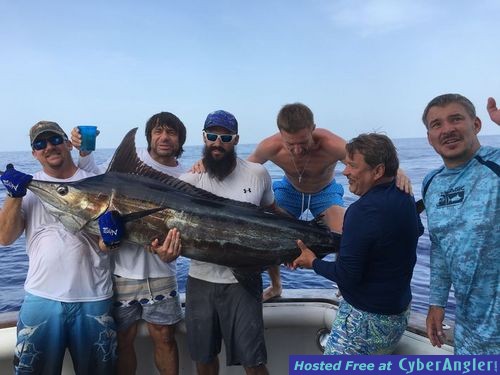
[[247, 190]]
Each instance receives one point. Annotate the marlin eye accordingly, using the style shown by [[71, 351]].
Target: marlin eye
[[62, 190]]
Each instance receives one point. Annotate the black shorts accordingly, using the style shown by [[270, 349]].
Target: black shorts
[[224, 311]]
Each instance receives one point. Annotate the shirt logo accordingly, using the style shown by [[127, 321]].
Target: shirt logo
[[248, 190], [451, 197]]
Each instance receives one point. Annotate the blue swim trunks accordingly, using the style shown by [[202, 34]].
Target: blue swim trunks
[[295, 202]]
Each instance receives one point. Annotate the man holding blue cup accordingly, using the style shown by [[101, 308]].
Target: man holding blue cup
[[89, 134], [69, 309]]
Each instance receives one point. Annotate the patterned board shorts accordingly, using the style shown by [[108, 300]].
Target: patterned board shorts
[[46, 327], [359, 332], [155, 300]]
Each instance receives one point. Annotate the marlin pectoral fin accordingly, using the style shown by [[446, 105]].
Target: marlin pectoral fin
[[250, 279], [140, 214]]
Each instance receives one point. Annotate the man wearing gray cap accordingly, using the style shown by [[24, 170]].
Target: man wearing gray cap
[[68, 287], [218, 307]]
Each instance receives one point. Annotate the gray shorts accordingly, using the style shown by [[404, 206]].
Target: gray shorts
[[224, 311], [155, 300]]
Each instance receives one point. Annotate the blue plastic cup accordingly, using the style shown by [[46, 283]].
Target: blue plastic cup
[[88, 133]]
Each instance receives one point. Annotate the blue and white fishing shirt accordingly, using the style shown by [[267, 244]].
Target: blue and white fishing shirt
[[463, 211]]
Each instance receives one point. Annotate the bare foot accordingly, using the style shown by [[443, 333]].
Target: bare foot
[[271, 292]]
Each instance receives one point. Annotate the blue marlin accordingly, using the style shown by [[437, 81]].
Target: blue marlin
[[213, 229]]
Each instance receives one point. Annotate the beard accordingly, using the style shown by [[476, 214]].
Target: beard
[[219, 168]]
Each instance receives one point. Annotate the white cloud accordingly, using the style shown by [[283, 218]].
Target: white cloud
[[368, 17]]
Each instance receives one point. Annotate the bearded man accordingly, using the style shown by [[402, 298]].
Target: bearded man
[[218, 307]]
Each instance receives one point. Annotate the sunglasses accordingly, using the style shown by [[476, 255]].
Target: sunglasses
[[225, 138], [41, 144]]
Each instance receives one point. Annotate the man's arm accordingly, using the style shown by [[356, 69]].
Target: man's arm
[[257, 156], [305, 259], [86, 159], [434, 324], [440, 280], [171, 247], [11, 221], [76, 141], [403, 182], [439, 288], [349, 267], [265, 149], [332, 144], [493, 111]]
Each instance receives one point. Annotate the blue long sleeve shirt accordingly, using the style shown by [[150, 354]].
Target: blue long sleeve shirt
[[377, 253], [463, 212]]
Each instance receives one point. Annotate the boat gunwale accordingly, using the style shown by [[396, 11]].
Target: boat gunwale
[[416, 322]]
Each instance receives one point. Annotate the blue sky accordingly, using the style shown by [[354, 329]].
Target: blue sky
[[359, 65]]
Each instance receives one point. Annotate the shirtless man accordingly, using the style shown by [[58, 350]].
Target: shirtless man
[[308, 156]]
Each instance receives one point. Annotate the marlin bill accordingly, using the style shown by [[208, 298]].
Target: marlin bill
[[213, 229]]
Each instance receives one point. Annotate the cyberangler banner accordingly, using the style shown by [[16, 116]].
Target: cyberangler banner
[[394, 365]]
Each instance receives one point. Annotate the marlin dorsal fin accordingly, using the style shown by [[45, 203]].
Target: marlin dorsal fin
[[125, 160], [125, 157]]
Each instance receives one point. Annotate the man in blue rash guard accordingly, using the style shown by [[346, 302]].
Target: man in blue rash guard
[[463, 211], [377, 254]]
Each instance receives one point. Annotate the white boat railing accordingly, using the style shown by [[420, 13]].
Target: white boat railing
[[293, 325]]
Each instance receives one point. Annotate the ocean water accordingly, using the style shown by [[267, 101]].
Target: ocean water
[[416, 158]]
